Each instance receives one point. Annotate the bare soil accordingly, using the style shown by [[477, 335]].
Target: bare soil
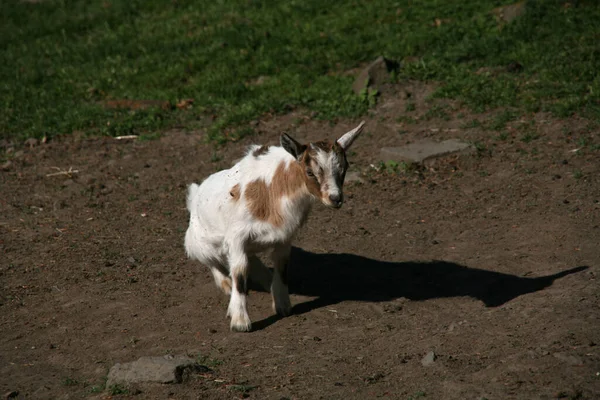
[[490, 261]]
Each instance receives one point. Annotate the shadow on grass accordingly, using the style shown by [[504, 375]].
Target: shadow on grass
[[334, 278]]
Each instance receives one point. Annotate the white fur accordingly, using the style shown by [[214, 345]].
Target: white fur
[[222, 233], [225, 236]]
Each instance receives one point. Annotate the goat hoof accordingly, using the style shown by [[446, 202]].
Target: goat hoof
[[284, 310], [241, 327], [240, 323]]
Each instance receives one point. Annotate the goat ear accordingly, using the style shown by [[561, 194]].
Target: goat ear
[[291, 145], [346, 140]]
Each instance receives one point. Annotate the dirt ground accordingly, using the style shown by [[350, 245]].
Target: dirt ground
[[490, 261]]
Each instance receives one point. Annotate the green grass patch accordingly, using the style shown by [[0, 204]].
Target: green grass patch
[[64, 59]]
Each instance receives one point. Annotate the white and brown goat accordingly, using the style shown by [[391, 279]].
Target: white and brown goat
[[258, 205]]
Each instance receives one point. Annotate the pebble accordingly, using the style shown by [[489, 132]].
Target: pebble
[[428, 359]]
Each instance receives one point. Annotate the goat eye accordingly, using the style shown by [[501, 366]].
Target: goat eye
[[310, 173]]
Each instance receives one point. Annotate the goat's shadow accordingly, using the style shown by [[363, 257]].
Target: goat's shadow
[[333, 278]]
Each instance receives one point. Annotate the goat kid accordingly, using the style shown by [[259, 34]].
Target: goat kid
[[258, 205]]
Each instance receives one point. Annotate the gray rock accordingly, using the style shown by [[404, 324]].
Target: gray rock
[[7, 165], [167, 369], [509, 13], [568, 358], [31, 142], [428, 359], [353, 176], [375, 75], [425, 150]]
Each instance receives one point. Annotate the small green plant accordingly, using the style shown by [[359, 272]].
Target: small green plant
[[529, 136], [208, 361], [578, 174], [474, 123], [369, 97], [394, 167], [437, 111], [503, 136], [68, 381], [405, 119], [241, 388], [117, 389], [150, 136], [410, 106], [96, 389], [501, 119]]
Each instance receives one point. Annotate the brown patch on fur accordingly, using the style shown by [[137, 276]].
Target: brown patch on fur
[[264, 201], [226, 285], [260, 151], [235, 192], [305, 162]]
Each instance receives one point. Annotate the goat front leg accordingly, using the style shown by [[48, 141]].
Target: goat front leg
[[237, 310], [279, 286]]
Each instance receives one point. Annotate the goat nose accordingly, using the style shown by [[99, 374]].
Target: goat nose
[[336, 199]]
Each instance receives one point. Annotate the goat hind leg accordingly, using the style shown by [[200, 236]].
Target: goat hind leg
[[259, 273], [279, 286], [222, 280]]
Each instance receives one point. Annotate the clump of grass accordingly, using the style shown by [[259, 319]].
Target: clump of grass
[[208, 361], [117, 389], [437, 111], [529, 136], [394, 167], [474, 123], [500, 120], [68, 381], [406, 119]]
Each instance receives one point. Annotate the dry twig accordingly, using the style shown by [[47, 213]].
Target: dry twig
[[68, 172]]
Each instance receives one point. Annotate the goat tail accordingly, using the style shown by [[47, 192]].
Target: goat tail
[[192, 192]]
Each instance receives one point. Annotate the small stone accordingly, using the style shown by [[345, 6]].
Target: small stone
[[211, 330], [11, 395], [354, 176], [167, 369], [425, 150], [19, 154], [509, 13], [428, 359], [31, 142], [568, 358], [7, 165], [375, 75]]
